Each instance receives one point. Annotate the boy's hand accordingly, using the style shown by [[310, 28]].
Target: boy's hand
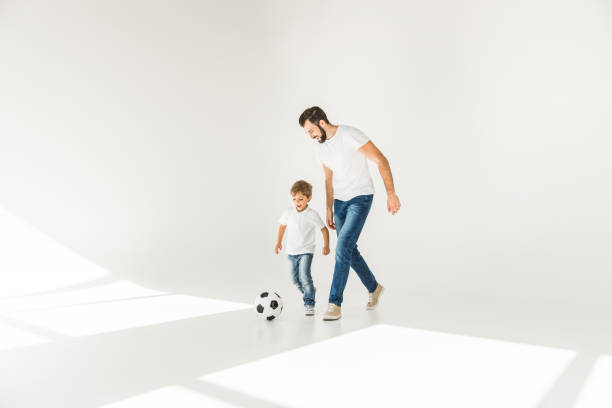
[[277, 248], [325, 250]]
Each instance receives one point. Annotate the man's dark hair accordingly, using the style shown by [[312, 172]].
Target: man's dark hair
[[314, 115]]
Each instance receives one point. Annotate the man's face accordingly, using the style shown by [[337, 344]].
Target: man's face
[[315, 132]]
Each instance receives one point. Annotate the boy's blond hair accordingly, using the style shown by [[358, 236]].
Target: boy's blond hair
[[303, 187]]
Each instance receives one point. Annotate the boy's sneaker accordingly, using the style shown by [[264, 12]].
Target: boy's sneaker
[[374, 297], [333, 312], [309, 310]]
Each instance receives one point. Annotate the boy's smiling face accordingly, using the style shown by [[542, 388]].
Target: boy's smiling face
[[300, 201]]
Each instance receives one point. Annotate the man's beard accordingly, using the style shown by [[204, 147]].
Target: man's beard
[[323, 134]]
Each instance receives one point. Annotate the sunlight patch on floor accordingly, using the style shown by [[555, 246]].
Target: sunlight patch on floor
[[597, 390], [386, 365], [11, 337], [103, 293], [89, 319], [171, 396], [32, 262]]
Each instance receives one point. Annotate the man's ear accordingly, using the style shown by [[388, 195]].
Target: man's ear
[[322, 123]]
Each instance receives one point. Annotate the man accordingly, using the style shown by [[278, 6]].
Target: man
[[343, 151]]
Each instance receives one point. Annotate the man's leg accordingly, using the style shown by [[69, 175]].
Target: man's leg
[[306, 279], [339, 217], [360, 266], [355, 215]]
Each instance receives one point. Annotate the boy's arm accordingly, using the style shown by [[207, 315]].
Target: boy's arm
[[372, 153], [279, 241], [329, 192], [325, 232]]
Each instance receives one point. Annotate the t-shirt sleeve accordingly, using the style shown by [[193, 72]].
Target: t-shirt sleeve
[[317, 221], [356, 138], [283, 218]]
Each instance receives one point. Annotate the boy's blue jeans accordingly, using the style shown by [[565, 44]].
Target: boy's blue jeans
[[349, 217], [300, 274]]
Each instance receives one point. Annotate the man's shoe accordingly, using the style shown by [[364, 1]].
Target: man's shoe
[[374, 297], [309, 310], [333, 312]]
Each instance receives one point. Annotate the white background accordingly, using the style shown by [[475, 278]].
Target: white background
[[160, 140]]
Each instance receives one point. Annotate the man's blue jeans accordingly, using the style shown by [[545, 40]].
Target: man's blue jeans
[[349, 217], [301, 276]]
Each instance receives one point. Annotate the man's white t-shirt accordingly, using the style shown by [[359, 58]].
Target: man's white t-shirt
[[302, 227], [351, 175]]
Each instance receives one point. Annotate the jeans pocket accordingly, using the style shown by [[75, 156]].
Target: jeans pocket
[[365, 200]]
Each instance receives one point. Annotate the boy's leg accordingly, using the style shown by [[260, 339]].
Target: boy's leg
[[305, 277], [293, 259], [354, 217], [360, 267]]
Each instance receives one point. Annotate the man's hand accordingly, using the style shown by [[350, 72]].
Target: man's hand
[[330, 219], [372, 153], [325, 250], [277, 248], [393, 203]]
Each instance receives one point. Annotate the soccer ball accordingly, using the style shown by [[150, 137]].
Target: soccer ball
[[268, 305]]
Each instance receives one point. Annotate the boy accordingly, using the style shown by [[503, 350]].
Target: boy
[[301, 223]]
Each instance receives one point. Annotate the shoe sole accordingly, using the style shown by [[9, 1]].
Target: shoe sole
[[309, 314], [332, 318], [382, 290]]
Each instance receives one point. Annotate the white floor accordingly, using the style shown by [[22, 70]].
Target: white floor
[[156, 350], [74, 335]]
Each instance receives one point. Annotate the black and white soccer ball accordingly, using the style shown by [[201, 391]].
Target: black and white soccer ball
[[268, 305]]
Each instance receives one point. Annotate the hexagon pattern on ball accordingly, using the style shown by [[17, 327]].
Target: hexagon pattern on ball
[[268, 305]]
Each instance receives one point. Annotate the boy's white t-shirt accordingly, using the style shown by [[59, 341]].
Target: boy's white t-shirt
[[301, 231], [351, 175]]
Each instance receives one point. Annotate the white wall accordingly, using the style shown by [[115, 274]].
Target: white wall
[[496, 119], [161, 139], [123, 127]]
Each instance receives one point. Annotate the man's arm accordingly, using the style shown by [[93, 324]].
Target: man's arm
[[375, 155], [329, 192]]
